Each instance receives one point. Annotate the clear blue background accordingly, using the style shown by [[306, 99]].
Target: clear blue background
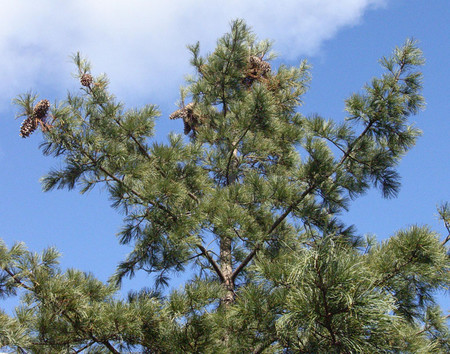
[[83, 227]]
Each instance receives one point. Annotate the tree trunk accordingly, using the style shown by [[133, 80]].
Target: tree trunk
[[226, 264], [227, 269]]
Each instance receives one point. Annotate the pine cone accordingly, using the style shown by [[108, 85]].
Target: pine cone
[[265, 68], [177, 114], [187, 128], [86, 80], [191, 120], [41, 109], [183, 112], [28, 126], [258, 67], [254, 60]]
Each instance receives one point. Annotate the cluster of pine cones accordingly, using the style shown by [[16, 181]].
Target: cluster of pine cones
[[30, 124], [257, 68], [38, 116]]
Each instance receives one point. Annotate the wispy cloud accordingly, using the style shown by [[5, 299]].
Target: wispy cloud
[[142, 44]]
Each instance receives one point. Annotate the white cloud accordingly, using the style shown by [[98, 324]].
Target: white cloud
[[141, 45]]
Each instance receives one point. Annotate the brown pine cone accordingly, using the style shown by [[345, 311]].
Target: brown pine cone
[[41, 109], [183, 112], [28, 126], [187, 127], [258, 67], [86, 80]]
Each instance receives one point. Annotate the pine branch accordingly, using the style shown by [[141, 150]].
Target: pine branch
[[233, 152], [94, 161], [346, 155], [107, 344], [345, 152], [21, 350], [283, 216], [117, 120], [234, 148], [87, 332], [272, 229], [84, 347], [120, 182], [62, 311], [262, 346], [328, 315], [140, 146], [397, 269], [447, 226], [246, 261], [428, 326], [17, 281], [212, 262]]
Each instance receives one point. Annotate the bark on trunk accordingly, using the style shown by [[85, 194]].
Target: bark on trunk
[[226, 263], [226, 260], [227, 269]]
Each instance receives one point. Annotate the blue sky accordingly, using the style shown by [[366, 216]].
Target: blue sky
[[141, 45]]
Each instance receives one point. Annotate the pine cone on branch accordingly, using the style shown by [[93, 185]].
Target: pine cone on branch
[[28, 126], [183, 112], [86, 80], [41, 109], [257, 69], [191, 120], [187, 128]]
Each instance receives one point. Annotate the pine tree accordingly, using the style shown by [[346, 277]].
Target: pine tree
[[252, 198]]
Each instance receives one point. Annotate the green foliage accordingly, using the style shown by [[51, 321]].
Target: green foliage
[[250, 200]]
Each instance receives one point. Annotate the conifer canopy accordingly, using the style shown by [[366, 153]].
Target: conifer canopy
[[251, 198]]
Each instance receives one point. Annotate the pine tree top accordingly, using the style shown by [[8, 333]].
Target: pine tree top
[[251, 199]]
